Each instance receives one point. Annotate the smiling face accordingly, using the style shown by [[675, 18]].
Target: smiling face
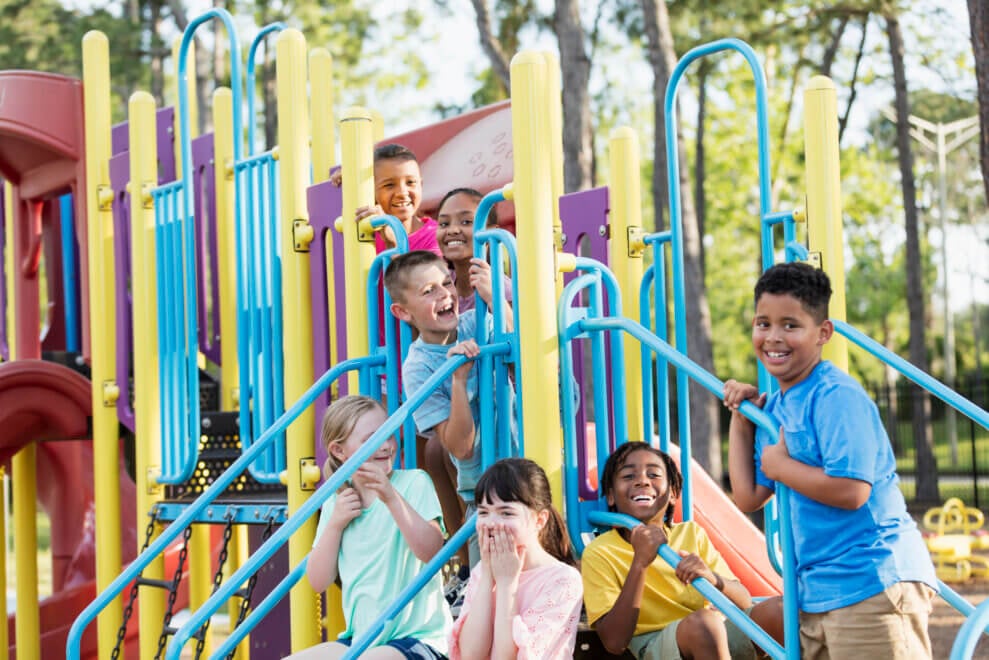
[[786, 338], [367, 424], [455, 227], [519, 521], [641, 487], [429, 302], [398, 188]]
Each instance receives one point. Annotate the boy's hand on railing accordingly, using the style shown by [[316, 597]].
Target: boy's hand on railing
[[775, 458], [646, 540], [736, 393], [692, 567], [346, 508], [480, 279], [468, 349]]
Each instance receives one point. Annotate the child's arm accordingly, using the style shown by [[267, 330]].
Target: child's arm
[[425, 538], [748, 495], [813, 482], [456, 433], [321, 569], [692, 567], [617, 626], [480, 280]]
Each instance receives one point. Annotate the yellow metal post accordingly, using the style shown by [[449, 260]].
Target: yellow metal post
[[824, 230], [625, 256], [103, 339], [357, 154], [25, 492], [147, 412], [536, 260], [8, 265], [293, 140], [4, 632]]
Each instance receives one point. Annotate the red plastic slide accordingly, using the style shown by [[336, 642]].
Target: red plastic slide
[[50, 404]]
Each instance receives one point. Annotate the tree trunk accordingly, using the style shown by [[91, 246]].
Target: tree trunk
[[576, 71], [489, 43], [703, 407], [978, 16], [157, 49], [661, 75], [927, 484]]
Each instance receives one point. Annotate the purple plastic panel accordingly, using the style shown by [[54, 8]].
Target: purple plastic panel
[[4, 347], [119, 177], [325, 202], [270, 637], [584, 216], [207, 272]]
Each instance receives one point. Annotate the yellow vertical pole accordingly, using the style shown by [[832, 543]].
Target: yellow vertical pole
[[147, 412], [378, 127], [223, 180], [324, 157], [103, 340], [536, 260], [293, 140], [357, 154], [625, 256], [8, 265], [554, 113], [27, 628], [193, 101], [4, 631], [823, 180]]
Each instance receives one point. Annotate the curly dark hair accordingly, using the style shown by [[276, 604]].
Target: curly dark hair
[[394, 151], [807, 284], [617, 460]]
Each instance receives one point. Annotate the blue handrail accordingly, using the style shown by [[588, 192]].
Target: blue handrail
[[277, 26], [171, 532], [316, 500], [655, 279], [708, 590], [70, 274]]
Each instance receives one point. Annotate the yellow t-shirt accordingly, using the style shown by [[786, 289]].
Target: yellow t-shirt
[[665, 599]]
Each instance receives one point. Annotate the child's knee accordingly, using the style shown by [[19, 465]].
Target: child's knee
[[702, 629], [768, 614]]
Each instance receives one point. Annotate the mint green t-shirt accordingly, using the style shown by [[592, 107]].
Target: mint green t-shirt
[[376, 563]]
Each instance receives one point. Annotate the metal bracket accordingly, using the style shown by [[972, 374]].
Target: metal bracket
[[815, 260], [104, 197], [308, 473], [559, 238], [302, 235], [154, 488], [636, 241], [147, 201], [110, 393]]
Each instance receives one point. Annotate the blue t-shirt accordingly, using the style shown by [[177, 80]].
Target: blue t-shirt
[[844, 557], [421, 362]]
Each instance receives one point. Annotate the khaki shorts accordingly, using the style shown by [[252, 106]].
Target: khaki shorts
[[890, 625], [662, 644]]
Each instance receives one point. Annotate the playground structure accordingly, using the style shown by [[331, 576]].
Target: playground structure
[[232, 259]]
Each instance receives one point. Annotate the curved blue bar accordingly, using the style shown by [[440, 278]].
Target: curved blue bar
[[645, 356], [172, 531], [361, 644], [571, 488], [251, 92], [314, 502], [970, 632], [708, 590]]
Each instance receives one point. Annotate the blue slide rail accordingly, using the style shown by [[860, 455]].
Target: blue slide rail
[[708, 590]]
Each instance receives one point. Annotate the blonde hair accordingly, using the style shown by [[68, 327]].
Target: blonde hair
[[339, 421]]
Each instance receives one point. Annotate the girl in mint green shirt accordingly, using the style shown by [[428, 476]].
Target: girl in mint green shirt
[[375, 535]]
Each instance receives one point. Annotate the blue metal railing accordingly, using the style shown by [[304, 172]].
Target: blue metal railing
[[260, 325], [708, 590], [70, 275], [217, 488], [318, 497], [278, 26]]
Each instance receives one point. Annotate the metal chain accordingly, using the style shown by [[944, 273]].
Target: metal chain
[[173, 592], [245, 604], [217, 578], [129, 609]]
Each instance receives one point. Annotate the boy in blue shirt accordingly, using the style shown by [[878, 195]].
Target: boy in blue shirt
[[865, 579], [424, 296]]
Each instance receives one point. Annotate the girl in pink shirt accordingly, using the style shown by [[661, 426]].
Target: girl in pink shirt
[[524, 596]]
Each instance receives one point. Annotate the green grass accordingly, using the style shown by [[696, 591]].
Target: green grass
[[970, 437]]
